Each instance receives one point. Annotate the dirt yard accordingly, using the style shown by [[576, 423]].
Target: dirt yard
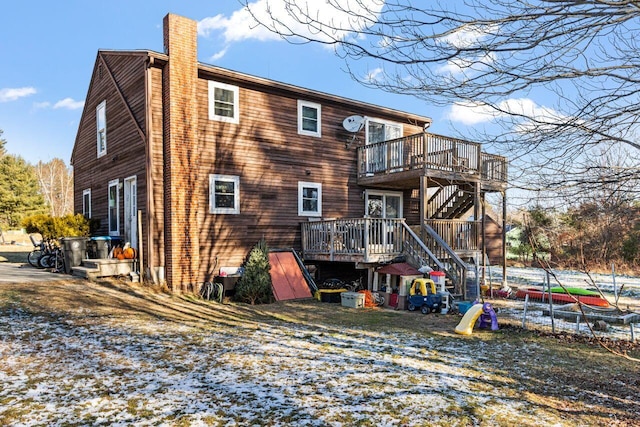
[[107, 353]]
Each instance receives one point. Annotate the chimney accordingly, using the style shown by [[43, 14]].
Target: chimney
[[181, 155]]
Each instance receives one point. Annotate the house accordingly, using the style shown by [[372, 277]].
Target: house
[[193, 164]]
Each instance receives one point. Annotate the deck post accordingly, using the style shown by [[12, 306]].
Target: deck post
[[425, 152], [424, 187], [504, 239], [367, 229]]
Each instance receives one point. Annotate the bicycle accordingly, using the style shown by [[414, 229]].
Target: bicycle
[[355, 285], [36, 253], [40, 249], [54, 259]]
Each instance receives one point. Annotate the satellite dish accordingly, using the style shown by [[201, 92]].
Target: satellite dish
[[353, 123]]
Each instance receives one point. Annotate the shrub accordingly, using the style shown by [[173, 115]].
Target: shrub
[[57, 227], [254, 286]]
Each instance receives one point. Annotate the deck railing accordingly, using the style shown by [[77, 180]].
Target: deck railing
[[459, 234], [366, 237], [430, 151]]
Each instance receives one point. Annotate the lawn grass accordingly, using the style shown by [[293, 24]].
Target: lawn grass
[[117, 352]]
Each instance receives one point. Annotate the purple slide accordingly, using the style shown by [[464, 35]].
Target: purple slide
[[488, 315]]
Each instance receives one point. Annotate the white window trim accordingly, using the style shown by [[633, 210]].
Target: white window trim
[[317, 186], [236, 102], [236, 195], [114, 183], [101, 106], [318, 107], [86, 210]]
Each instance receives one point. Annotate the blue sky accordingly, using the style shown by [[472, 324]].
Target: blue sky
[[49, 49]]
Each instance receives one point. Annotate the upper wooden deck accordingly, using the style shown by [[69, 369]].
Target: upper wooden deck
[[399, 163]]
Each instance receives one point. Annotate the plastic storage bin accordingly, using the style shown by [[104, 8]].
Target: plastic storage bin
[[352, 299]]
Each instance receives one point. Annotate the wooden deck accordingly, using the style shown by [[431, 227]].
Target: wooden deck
[[372, 240], [399, 163]]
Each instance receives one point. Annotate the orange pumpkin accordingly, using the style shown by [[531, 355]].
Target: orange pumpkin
[[129, 253], [120, 256], [117, 251]]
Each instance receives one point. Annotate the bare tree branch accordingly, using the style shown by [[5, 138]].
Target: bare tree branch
[[504, 58]]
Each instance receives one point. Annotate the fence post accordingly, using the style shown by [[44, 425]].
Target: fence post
[[524, 312], [577, 323], [553, 323], [633, 332]]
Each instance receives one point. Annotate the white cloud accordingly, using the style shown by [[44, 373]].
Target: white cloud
[[218, 55], [468, 37], [374, 75], [42, 105], [470, 113], [459, 65], [69, 104], [242, 25], [13, 94]]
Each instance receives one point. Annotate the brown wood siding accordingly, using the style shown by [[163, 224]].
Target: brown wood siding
[[270, 157], [125, 147], [156, 173], [493, 234]]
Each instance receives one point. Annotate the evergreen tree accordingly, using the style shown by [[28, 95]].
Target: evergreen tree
[[255, 284], [3, 142], [19, 191]]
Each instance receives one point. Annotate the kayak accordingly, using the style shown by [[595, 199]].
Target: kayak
[[538, 294], [575, 291]]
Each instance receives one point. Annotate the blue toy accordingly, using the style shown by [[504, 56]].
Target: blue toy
[[423, 296]]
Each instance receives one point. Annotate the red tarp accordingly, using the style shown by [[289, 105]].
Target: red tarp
[[286, 277], [400, 269]]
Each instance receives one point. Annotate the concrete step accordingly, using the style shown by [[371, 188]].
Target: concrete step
[[93, 268], [86, 272]]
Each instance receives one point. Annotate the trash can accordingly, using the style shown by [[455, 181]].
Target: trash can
[[74, 250], [102, 246]]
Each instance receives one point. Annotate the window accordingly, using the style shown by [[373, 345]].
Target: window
[[380, 131], [101, 122], [223, 102], [309, 199], [114, 208], [86, 203], [383, 204], [224, 194], [309, 118]]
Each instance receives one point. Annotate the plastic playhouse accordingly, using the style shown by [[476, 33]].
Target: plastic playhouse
[[423, 296], [484, 312]]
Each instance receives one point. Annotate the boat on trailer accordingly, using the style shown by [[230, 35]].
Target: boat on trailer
[[564, 295]]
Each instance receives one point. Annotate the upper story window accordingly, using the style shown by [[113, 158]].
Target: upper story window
[[224, 194], [309, 199], [223, 102], [379, 131], [309, 118], [86, 203], [101, 122]]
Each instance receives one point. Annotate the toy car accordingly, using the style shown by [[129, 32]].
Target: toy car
[[422, 295]]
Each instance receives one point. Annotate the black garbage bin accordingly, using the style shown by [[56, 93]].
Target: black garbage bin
[[74, 251]]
